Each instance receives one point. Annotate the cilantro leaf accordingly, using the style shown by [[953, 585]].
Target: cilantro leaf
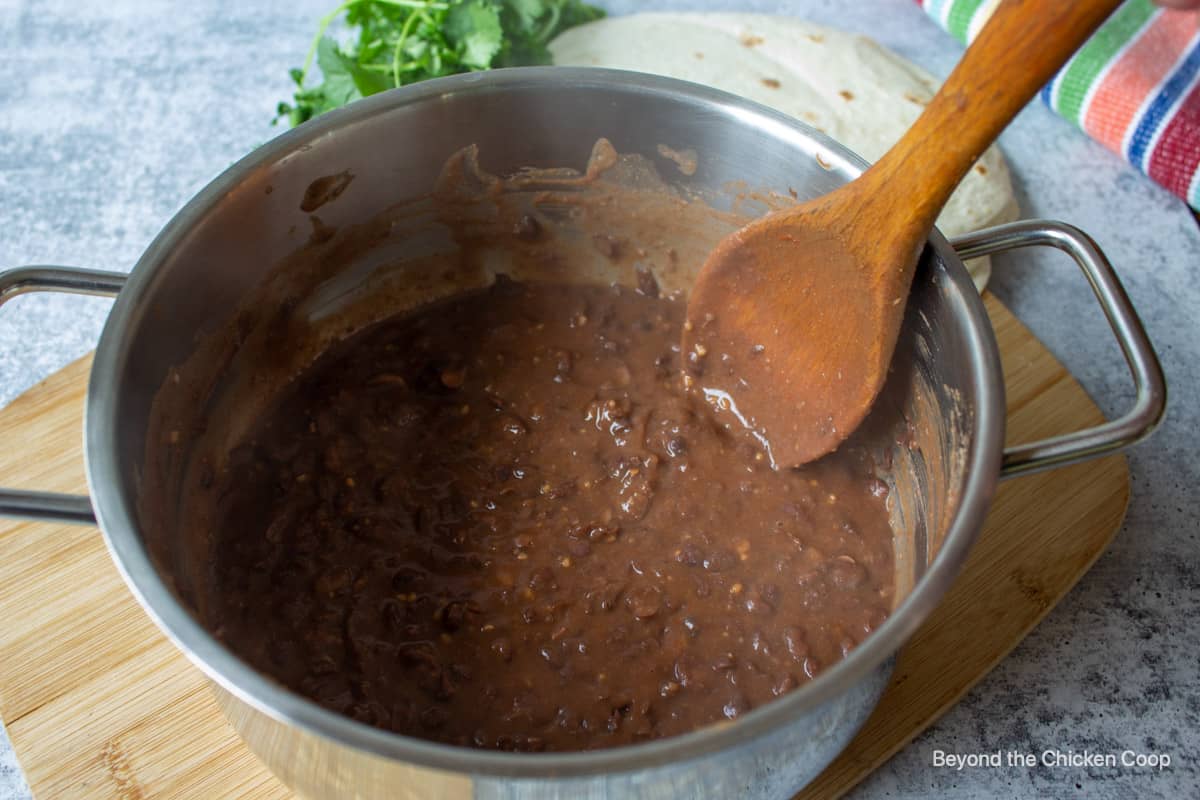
[[474, 26], [399, 42], [345, 80], [527, 13]]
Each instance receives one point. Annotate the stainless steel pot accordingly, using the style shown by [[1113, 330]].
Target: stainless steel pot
[[222, 243]]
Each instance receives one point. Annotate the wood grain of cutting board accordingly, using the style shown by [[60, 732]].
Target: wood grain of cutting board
[[99, 705]]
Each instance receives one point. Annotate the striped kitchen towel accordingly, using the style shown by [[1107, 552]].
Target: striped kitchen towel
[[1134, 86]]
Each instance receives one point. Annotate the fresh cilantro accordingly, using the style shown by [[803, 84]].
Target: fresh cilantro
[[399, 42], [477, 27]]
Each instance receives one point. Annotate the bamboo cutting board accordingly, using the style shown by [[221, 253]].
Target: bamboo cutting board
[[99, 705]]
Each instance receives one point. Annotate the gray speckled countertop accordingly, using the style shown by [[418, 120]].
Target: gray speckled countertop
[[113, 114]]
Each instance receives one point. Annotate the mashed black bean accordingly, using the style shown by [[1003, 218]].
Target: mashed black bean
[[501, 522]]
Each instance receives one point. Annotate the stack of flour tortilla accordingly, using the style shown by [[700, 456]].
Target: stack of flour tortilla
[[843, 84]]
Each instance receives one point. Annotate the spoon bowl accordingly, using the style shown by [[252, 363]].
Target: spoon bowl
[[793, 319]]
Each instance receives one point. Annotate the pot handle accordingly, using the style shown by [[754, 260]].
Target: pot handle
[[71, 508], [1151, 399]]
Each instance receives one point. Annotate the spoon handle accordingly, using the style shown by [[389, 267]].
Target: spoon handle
[[1020, 48]]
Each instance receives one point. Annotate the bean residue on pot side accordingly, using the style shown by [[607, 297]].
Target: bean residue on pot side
[[501, 522]]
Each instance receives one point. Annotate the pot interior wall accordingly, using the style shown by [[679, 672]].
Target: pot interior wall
[[204, 280]]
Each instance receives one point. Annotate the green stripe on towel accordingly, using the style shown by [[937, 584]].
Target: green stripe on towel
[[1091, 60]]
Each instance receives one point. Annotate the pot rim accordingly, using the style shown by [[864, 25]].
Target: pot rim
[[115, 509]]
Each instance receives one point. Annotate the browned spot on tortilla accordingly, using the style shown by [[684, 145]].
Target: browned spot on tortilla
[[912, 98], [847, 95], [699, 55], [770, 83], [751, 41], [816, 37], [981, 169], [324, 190]]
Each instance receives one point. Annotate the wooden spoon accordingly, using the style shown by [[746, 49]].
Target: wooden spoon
[[792, 321]]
